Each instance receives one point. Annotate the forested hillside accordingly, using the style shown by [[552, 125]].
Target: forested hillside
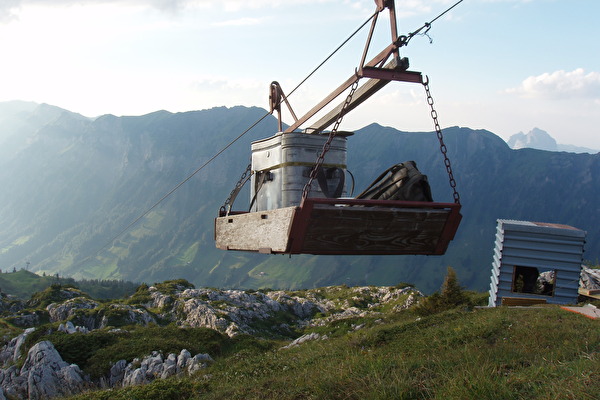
[[70, 184], [23, 284]]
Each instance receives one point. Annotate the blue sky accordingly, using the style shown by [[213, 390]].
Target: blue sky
[[501, 65]]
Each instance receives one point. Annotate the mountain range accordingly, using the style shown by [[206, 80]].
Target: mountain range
[[541, 140], [72, 185]]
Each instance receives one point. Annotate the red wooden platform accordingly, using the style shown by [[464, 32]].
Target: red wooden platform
[[343, 226]]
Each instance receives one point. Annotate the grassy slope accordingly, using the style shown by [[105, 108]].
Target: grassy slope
[[500, 353], [23, 284]]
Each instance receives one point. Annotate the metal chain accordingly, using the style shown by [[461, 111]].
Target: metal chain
[[440, 137], [327, 145], [225, 208]]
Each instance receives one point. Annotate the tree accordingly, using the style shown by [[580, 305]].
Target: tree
[[449, 296], [452, 293]]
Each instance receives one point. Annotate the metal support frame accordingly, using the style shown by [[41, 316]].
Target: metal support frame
[[395, 70], [275, 96]]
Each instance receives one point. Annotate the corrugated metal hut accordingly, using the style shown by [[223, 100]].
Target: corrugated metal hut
[[536, 262]]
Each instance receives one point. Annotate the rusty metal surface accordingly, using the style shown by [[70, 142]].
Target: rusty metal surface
[[377, 61], [350, 226], [343, 226]]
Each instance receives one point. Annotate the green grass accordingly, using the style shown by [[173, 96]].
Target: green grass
[[7, 332], [65, 261], [103, 271], [54, 294], [499, 353], [270, 274], [24, 284], [171, 286], [168, 389], [17, 242], [190, 253], [150, 224], [97, 351]]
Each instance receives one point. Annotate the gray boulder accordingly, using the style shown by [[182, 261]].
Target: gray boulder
[[67, 309], [123, 314], [12, 351], [182, 359], [44, 375], [117, 373], [155, 366], [69, 328], [305, 338], [199, 314]]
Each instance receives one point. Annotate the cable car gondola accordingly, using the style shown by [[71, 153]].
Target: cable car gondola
[[298, 205]]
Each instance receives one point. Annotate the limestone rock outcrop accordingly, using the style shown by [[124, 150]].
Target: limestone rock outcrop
[[44, 375], [155, 366]]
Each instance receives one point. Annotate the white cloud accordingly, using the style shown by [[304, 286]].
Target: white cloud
[[237, 5], [223, 82], [560, 84], [9, 9], [246, 21], [8, 6], [508, 1]]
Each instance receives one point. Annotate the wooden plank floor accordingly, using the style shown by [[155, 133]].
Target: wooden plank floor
[[339, 227], [372, 230], [356, 230]]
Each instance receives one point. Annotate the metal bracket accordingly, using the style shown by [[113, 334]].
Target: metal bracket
[[276, 95], [394, 70]]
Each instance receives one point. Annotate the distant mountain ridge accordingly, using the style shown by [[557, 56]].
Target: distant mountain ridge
[[70, 184], [541, 140]]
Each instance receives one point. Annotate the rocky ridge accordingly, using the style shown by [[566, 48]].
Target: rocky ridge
[[276, 314]]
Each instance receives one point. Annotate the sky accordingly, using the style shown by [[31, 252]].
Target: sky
[[506, 66]]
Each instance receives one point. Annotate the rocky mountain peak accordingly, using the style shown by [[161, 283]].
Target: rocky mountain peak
[[541, 140], [535, 139]]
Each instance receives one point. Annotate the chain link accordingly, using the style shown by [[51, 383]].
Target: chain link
[[327, 145], [226, 207], [440, 137]]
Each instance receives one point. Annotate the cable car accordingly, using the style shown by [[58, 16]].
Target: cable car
[[298, 199]]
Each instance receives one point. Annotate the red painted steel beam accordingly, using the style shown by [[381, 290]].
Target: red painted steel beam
[[379, 59], [392, 75]]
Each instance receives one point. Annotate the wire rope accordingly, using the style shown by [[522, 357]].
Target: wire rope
[[330, 55], [170, 192], [227, 146]]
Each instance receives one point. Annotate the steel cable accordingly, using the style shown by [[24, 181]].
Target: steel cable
[[227, 146]]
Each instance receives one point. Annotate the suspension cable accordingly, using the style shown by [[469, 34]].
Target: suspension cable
[[284, 97], [170, 192], [227, 146], [403, 40], [447, 10]]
